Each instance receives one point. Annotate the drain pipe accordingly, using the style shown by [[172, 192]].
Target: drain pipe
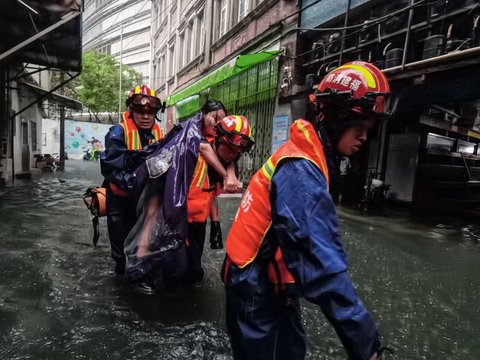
[[407, 35], [342, 46], [454, 55]]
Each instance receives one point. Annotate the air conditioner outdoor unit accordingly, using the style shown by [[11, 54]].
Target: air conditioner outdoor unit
[[368, 32], [397, 21], [334, 43]]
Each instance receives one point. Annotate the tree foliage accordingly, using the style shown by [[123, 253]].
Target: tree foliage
[[98, 85]]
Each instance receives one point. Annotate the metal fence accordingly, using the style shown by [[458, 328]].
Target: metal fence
[[253, 94]]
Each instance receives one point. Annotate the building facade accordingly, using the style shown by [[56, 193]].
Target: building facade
[[226, 50], [120, 28], [27, 58]]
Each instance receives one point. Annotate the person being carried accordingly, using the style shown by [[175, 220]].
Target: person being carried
[[123, 144], [285, 240]]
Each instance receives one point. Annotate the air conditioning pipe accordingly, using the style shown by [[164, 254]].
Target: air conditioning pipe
[[431, 61]]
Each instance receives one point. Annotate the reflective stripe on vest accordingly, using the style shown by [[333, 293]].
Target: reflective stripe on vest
[[132, 137], [200, 195], [253, 218]]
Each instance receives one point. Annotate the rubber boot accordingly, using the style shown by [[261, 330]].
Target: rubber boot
[[216, 235]]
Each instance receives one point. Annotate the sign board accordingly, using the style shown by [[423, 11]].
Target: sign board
[[279, 131]]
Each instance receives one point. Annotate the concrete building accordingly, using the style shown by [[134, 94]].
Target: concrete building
[[227, 50], [120, 28], [43, 36]]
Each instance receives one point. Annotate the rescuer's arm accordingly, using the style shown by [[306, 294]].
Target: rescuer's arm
[[305, 223], [230, 181], [212, 159]]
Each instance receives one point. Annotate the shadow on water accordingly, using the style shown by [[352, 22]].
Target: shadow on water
[[60, 299]]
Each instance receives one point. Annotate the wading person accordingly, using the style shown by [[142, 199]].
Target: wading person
[[285, 240], [123, 143], [158, 249], [233, 137], [213, 111]]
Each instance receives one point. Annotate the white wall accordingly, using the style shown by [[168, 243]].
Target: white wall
[[50, 136]]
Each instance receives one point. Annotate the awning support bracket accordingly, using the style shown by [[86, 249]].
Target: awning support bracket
[[43, 97], [68, 17]]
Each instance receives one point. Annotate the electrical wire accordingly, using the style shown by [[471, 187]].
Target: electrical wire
[[362, 27]]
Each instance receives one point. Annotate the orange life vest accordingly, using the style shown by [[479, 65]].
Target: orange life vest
[[253, 218], [200, 194], [132, 137]]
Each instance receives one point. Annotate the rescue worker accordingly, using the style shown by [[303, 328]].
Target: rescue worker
[[233, 137], [215, 110], [285, 240], [149, 265], [121, 157]]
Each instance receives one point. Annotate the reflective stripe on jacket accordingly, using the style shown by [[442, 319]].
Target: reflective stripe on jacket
[[200, 194], [132, 138], [254, 217]]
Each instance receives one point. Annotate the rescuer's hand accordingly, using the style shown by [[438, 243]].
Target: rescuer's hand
[[230, 184], [133, 159]]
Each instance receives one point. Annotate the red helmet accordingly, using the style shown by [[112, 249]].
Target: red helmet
[[236, 131], [359, 86], [142, 96]]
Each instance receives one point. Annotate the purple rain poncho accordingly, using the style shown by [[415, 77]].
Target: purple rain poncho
[[156, 244]]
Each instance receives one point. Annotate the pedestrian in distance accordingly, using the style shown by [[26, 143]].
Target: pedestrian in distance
[[285, 242], [123, 143]]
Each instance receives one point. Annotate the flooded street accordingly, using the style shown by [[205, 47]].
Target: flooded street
[[60, 299]]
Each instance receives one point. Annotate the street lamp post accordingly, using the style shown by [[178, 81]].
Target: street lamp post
[[120, 78]]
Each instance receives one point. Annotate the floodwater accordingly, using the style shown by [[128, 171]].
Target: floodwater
[[59, 297]]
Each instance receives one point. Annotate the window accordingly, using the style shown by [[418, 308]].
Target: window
[[197, 42], [188, 43], [171, 61], [33, 135], [162, 70], [223, 17], [155, 75], [161, 7], [242, 9], [181, 51]]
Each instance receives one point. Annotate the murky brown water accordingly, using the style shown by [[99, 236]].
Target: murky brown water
[[59, 298]]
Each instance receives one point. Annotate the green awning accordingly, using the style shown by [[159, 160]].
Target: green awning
[[243, 62], [187, 106]]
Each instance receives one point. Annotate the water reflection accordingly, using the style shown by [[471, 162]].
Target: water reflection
[[60, 299]]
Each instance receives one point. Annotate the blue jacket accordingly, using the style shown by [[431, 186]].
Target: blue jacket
[[309, 237], [305, 226], [114, 161]]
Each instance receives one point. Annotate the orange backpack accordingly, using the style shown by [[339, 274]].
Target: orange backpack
[[95, 200]]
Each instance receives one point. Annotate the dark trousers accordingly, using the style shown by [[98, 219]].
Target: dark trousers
[[121, 217], [195, 244], [261, 323]]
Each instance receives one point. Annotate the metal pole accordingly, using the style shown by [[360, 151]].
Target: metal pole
[[62, 137], [344, 33], [62, 126], [120, 74], [407, 35]]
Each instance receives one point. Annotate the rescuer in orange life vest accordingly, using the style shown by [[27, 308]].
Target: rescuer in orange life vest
[[233, 137], [119, 160], [285, 240]]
